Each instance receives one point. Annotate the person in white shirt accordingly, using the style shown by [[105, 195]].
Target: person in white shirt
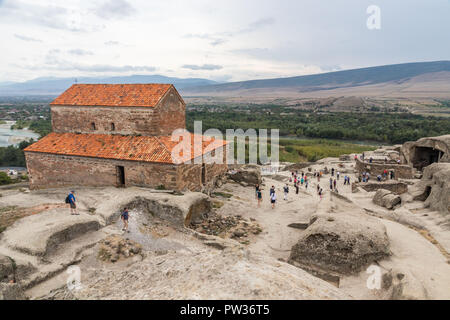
[[273, 199]]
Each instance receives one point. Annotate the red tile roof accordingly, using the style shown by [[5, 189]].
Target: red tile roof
[[113, 95], [107, 146]]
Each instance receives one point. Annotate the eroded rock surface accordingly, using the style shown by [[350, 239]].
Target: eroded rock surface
[[177, 210], [343, 243], [249, 176], [438, 177]]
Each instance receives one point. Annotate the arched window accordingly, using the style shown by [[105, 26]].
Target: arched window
[[113, 126], [93, 127]]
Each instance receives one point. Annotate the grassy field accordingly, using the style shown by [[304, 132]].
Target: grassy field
[[310, 150], [296, 150]]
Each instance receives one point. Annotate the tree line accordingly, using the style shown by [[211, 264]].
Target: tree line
[[378, 127]]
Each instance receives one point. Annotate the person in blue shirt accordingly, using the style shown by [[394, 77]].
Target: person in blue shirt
[[72, 202], [124, 217]]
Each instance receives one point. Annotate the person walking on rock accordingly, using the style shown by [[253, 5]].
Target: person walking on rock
[[259, 196], [272, 190], [124, 217], [286, 191], [72, 202], [273, 199]]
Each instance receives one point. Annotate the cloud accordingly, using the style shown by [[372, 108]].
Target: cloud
[[49, 16], [261, 23], [100, 68], [80, 52], [216, 42], [112, 43], [221, 37], [115, 9], [253, 52], [25, 38], [53, 62], [330, 68], [110, 68], [214, 39], [202, 67]]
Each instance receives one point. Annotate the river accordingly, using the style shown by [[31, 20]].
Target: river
[[14, 137]]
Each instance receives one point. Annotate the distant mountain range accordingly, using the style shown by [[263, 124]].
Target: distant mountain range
[[428, 79], [55, 86], [421, 79]]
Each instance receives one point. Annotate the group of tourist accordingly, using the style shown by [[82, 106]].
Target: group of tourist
[[347, 180], [365, 176], [299, 180], [333, 185]]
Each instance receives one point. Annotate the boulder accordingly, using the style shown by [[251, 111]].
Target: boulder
[[178, 211], [249, 176], [343, 243], [391, 200], [386, 198], [378, 198]]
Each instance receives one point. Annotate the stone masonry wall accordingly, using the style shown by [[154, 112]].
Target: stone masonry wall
[[396, 187], [47, 171], [160, 120], [126, 120], [171, 113], [400, 171], [190, 175]]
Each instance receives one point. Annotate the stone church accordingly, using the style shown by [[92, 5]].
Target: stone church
[[119, 135]]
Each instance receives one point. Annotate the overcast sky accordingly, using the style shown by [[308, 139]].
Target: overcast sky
[[228, 40]]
